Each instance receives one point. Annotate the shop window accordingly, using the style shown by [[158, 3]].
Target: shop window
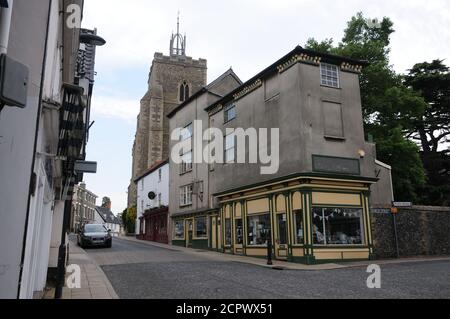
[[239, 232], [200, 228], [227, 232], [298, 227], [179, 229], [282, 229], [337, 226], [258, 229]]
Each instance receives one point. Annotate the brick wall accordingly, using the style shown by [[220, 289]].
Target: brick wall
[[421, 231]]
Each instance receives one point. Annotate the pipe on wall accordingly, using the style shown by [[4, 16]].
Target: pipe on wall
[[5, 25]]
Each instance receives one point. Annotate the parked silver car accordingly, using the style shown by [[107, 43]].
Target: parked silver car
[[94, 235]]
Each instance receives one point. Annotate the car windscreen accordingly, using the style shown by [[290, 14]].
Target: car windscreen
[[94, 229]]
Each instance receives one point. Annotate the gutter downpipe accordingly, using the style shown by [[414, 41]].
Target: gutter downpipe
[[5, 26]]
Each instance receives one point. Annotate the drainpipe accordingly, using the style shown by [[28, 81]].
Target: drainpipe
[[5, 25]]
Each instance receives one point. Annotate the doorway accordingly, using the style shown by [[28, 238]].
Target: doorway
[[190, 232], [281, 242]]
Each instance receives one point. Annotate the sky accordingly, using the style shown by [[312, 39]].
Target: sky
[[247, 35]]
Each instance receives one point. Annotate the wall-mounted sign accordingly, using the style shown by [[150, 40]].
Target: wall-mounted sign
[[402, 204], [85, 167]]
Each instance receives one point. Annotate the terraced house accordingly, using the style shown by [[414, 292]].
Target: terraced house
[[316, 207]]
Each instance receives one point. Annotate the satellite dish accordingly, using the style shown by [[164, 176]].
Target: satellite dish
[[152, 195]]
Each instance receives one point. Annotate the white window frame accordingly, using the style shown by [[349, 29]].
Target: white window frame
[[226, 109], [186, 195], [329, 78], [230, 148]]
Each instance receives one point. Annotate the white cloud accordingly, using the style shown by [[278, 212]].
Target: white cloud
[[117, 107]]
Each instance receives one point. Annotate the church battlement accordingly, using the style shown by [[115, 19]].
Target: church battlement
[[185, 60]]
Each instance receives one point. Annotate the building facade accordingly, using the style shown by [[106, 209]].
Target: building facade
[[105, 216], [314, 202], [40, 142], [152, 221], [189, 181], [83, 207], [172, 80]]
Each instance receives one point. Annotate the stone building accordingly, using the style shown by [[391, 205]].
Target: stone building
[[83, 207], [314, 205], [172, 80]]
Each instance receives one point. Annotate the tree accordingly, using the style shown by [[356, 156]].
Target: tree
[[432, 129], [130, 220], [389, 107], [408, 177], [124, 218], [106, 201]]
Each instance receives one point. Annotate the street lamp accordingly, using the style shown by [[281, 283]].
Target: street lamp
[[92, 39]]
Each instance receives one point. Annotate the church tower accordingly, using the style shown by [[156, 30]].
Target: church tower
[[172, 80]]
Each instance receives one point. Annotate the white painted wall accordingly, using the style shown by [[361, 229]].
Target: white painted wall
[[17, 136], [152, 183]]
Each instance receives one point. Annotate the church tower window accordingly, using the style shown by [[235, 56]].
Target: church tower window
[[184, 92]]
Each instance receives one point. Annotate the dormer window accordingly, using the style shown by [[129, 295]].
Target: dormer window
[[184, 92]]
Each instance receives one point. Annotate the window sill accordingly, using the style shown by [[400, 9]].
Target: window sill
[[330, 87], [275, 97], [227, 122], [185, 206], [335, 138], [319, 246], [187, 172], [256, 246]]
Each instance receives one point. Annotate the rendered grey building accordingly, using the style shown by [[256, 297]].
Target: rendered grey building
[[315, 206]]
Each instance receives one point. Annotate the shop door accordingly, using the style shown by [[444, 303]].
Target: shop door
[[214, 233], [190, 234], [281, 239]]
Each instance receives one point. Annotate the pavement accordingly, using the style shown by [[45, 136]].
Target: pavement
[[144, 270], [94, 283]]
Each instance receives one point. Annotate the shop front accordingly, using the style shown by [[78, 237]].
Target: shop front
[[192, 230], [309, 219], [154, 225]]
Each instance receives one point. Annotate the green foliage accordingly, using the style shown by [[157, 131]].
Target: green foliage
[[407, 173], [390, 108], [106, 201], [130, 219], [432, 129]]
